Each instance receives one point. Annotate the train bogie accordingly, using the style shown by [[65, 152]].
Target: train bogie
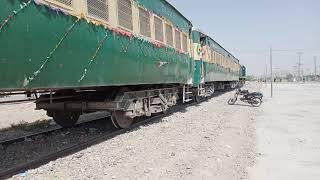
[[125, 106]]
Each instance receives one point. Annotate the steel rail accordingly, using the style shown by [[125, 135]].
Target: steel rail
[[17, 101], [24, 137]]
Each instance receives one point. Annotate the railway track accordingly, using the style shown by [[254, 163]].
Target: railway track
[[83, 145], [27, 136]]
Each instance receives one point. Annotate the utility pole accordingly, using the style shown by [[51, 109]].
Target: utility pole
[[271, 72], [299, 66], [315, 65], [266, 75]]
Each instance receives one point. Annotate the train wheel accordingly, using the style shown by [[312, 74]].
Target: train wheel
[[120, 120], [66, 119]]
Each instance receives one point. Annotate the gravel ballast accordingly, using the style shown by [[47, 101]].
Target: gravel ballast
[[211, 140]]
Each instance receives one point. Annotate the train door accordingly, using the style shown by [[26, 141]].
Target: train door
[[197, 53], [203, 43], [199, 43]]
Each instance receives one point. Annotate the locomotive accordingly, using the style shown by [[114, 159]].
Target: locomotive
[[129, 57]]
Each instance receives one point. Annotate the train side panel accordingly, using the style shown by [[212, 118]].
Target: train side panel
[[44, 48]]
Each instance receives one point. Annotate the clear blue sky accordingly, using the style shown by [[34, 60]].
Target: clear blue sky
[[247, 28]]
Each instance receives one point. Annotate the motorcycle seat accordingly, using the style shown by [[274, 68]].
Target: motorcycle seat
[[255, 94], [244, 91]]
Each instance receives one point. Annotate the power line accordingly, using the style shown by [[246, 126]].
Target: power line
[[295, 50], [264, 51]]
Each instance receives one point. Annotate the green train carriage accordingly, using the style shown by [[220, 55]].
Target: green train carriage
[[130, 57], [215, 67]]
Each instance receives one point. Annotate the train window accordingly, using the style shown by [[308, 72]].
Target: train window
[[212, 56], [184, 43], [144, 18], [169, 35], [98, 9], [223, 62], [125, 14], [221, 59], [158, 27], [178, 39], [65, 2]]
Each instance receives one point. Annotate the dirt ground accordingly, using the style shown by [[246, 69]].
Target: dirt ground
[[288, 134], [279, 140], [13, 114]]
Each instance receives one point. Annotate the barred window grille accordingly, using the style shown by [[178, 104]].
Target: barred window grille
[[169, 35], [65, 2], [216, 57], [212, 56], [158, 26], [184, 43], [144, 18], [221, 59], [178, 39], [98, 9], [125, 14], [225, 62]]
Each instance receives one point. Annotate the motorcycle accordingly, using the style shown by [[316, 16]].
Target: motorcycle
[[255, 98]]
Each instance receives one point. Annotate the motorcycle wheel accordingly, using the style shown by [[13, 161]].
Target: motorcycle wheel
[[232, 101], [256, 102]]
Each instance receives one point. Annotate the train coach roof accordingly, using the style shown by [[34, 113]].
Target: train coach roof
[[217, 46], [224, 50], [165, 9]]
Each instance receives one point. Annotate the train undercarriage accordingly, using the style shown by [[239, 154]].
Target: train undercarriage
[[124, 103]]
